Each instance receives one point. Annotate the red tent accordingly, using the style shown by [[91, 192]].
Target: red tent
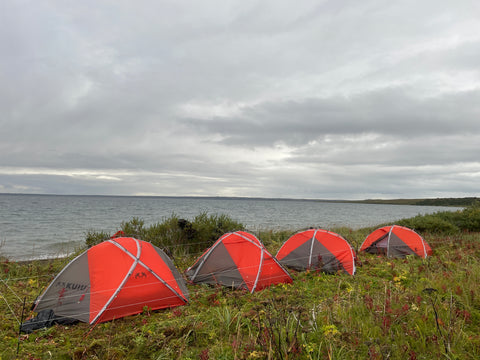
[[317, 249], [396, 241], [113, 279], [238, 260]]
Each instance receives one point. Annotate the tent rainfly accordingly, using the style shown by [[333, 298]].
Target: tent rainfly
[[238, 260], [113, 279], [317, 249], [396, 241]]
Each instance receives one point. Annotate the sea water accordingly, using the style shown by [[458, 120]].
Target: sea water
[[41, 226]]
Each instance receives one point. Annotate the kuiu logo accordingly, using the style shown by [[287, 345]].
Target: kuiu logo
[[72, 286], [140, 275]]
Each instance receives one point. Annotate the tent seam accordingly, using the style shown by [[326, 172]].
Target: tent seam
[[134, 265]]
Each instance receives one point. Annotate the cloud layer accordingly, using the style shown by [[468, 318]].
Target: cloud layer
[[329, 99]]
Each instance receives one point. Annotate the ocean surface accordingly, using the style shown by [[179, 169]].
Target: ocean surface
[[42, 226]]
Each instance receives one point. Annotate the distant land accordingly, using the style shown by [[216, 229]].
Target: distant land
[[465, 201]]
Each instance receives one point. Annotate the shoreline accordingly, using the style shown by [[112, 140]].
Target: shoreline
[[45, 241], [433, 201]]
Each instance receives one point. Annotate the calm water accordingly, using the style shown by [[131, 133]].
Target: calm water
[[38, 226]]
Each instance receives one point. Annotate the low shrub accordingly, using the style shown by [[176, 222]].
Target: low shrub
[[430, 223], [446, 222], [93, 237], [410, 308], [173, 234]]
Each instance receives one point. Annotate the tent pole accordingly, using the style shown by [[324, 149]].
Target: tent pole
[[311, 249], [388, 240]]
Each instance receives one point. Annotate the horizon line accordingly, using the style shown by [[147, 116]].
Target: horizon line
[[240, 197]]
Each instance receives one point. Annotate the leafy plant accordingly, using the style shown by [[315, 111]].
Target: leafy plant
[[380, 313], [175, 235], [93, 237]]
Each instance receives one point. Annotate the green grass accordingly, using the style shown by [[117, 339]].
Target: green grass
[[408, 308]]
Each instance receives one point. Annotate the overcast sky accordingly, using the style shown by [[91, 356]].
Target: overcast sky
[[297, 99]]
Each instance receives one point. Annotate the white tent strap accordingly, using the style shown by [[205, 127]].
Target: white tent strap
[[137, 259], [259, 270], [353, 260], [59, 274], [134, 264], [259, 245], [11, 290], [81, 314], [423, 245], [281, 267], [352, 255], [163, 281], [312, 241], [9, 307], [421, 239], [209, 251], [110, 290], [205, 257], [388, 240]]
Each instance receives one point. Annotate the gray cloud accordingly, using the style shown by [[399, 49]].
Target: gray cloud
[[389, 112], [330, 99]]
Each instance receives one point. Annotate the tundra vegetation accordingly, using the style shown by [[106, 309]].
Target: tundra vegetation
[[409, 308]]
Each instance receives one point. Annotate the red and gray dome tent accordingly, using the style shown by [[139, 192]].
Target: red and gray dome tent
[[396, 241], [317, 249], [113, 279], [238, 260]]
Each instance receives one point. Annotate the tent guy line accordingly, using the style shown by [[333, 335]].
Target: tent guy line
[[78, 293]]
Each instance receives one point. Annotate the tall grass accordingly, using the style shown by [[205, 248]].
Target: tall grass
[[409, 308]]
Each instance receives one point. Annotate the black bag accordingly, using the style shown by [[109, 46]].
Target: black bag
[[44, 319]]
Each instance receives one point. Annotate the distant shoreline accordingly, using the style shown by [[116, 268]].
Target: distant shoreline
[[464, 201]]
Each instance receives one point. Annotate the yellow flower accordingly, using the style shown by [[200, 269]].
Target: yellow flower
[[285, 286], [308, 347], [330, 330], [255, 355]]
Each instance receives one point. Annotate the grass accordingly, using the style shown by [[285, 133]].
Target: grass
[[408, 308]]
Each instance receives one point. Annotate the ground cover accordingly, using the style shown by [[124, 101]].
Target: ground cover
[[408, 308]]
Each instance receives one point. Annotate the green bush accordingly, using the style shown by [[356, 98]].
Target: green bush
[[429, 223], [205, 230], [469, 219], [93, 237], [134, 227], [173, 234], [446, 222]]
